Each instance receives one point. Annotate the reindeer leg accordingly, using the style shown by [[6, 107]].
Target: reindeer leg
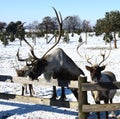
[[112, 113], [106, 101], [98, 113], [54, 96], [23, 88], [31, 90], [75, 92], [63, 97], [106, 114]]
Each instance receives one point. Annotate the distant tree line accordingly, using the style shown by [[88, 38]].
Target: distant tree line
[[109, 25], [8, 32], [71, 24]]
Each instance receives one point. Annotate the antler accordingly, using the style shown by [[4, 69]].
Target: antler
[[59, 18], [78, 48], [104, 58], [103, 55], [18, 57], [31, 50], [88, 58], [28, 60]]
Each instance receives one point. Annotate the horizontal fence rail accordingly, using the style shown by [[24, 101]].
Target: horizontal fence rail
[[101, 107], [100, 86], [37, 100], [40, 81]]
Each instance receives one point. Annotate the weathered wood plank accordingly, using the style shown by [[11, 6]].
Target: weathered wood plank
[[100, 86], [37, 100], [5, 78], [40, 81], [101, 107], [82, 98]]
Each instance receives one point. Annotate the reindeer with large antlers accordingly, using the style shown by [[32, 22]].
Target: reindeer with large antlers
[[98, 76], [56, 64]]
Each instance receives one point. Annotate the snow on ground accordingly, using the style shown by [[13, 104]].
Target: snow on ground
[[19, 110]]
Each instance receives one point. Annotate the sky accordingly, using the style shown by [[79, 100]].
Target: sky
[[35, 10]]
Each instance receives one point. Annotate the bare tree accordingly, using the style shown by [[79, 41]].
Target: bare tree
[[2, 26], [71, 23], [86, 27]]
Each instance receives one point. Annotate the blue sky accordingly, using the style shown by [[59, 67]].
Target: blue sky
[[30, 10]]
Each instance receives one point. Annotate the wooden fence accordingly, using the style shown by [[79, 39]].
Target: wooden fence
[[84, 107], [83, 86], [38, 100]]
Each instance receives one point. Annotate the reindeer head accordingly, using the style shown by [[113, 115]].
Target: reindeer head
[[95, 70], [22, 72], [38, 64], [38, 67]]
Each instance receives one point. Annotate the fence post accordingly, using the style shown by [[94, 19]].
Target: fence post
[[82, 97]]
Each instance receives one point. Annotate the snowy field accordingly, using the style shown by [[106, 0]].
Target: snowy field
[[19, 110]]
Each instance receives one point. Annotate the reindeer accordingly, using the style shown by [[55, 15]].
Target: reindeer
[[23, 72], [56, 64], [98, 76]]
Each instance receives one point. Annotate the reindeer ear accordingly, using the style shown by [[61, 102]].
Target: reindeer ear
[[88, 68], [102, 67]]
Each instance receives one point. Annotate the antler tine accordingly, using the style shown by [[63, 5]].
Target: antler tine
[[78, 48], [20, 59], [33, 54], [28, 43], [88, 58], [19, 28], [32, 50], [29, 59], [103, 55], [59, 18]]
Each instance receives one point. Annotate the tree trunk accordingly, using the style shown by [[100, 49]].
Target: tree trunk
[[115, 40], [86, 38], [20, 42]]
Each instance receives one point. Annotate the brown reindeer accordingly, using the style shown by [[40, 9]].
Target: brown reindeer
[[98, 76], [56, 64]]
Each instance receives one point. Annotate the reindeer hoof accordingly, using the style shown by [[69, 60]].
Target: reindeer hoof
[[53, 98], [62, 98], [31, 95]]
